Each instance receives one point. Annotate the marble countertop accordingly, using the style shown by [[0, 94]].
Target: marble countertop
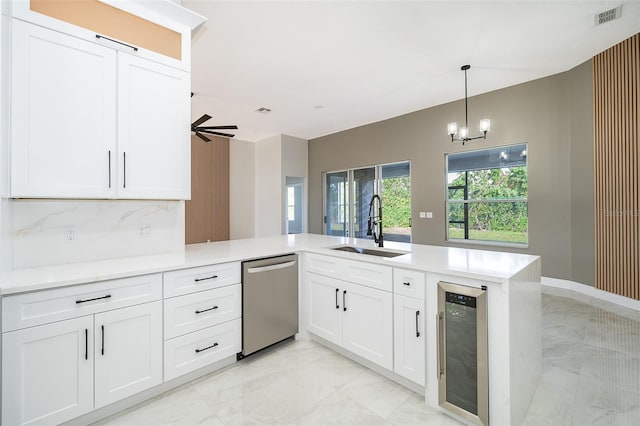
[[476, 264]]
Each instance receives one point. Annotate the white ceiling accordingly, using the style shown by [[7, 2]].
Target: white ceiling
[[323, 67]]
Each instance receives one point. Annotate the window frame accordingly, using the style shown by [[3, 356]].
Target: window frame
[[466, 202]]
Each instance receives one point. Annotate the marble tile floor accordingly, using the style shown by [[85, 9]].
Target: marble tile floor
[[591, 376]]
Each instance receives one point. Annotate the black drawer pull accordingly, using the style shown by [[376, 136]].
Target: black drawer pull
[[95, 298], [86, 343], [208, 347], [205, 310], [212, 277], [135, 49], [344, 302], [406, 283], [102, 350], [337, 291], [417, 328]]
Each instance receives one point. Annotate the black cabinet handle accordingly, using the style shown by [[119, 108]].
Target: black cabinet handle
[[135, 49], [407, 283], [109, 168], [102, 350], [212, 277], [337, 291], [124, 170], [205, 310], [417, 328], [86, 343], [208, 347], [95, 298], [344, 301]]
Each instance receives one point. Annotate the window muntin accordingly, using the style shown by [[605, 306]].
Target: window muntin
[[487, 195]]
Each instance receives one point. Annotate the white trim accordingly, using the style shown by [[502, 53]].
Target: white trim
[[592, 292]]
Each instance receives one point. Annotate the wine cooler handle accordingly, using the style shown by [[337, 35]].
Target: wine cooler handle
[[440, 319]]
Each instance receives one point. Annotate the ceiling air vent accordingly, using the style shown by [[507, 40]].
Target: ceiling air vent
[[608, 15], [263, 110]]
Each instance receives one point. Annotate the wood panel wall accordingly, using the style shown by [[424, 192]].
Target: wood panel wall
[[207, 213], [616, 77]]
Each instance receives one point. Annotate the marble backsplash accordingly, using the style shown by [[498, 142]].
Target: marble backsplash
[[50, 232]]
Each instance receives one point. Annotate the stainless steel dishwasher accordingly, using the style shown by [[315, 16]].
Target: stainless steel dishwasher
[[269, 301]]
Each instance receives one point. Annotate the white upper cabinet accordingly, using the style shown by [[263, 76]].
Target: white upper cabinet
[[153, 130], [92, 122], [63, 115]]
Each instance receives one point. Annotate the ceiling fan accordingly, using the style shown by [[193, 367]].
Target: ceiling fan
[[210, 130]]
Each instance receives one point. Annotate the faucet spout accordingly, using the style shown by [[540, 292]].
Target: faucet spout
[[375, 221]]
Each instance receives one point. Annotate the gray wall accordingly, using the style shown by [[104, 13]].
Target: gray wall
[[553, 115]]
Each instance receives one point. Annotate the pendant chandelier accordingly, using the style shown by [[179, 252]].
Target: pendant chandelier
[[463, 132]]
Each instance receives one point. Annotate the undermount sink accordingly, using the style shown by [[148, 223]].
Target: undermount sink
[[372, 252]]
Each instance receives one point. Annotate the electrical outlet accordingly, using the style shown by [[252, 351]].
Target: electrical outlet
[[423, 215], [144, 230], [69, 233]]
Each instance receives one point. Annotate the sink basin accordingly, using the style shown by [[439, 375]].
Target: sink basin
[[371, 252]]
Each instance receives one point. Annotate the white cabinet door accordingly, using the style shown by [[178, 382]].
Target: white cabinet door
[[128, 351], [63, 115], [154, 128], [324, 307], [408, 338], [47, 373], [367, 328]]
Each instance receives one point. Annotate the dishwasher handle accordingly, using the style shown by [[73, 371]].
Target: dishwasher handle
[[273, 267]]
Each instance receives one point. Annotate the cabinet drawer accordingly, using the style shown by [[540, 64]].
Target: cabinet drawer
[[41, 307], [409, 283], [369, 274], [200, 348], [196, 311], [324, 265], [187, 281]]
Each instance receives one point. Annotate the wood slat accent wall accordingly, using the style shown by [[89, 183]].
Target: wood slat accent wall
[[616, 80], [207, 213]]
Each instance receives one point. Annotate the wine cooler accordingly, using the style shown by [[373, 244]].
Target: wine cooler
[[463, 379]]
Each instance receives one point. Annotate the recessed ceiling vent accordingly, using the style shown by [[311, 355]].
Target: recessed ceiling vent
[[263, 110], [608, 15]]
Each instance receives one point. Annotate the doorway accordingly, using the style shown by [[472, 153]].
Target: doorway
[[294, 212]]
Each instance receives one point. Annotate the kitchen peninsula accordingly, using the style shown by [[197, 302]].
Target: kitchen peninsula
[[510, 283]]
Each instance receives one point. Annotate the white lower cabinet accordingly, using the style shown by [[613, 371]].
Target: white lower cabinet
[[50, 372], [353, 316], [128, 352], [201, 348], [409, 338], [47, 372], [202, 318], [367, 323]]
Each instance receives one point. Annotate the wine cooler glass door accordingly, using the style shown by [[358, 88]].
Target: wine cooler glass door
[[462, 351]]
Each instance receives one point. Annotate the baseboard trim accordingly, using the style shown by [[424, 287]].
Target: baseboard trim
[[590, 291]]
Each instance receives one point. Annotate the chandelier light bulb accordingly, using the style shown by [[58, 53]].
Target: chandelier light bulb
[[452, 128], [463, 132], [485, 125]]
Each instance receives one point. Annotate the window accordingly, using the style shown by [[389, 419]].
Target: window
[[291, 203], [347, 197], [487, 195]]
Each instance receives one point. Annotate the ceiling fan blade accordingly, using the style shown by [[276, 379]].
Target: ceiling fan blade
[[200, 120], [217, 127], [209, 132], [203, 137]]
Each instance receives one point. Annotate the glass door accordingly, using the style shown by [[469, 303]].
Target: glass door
[[462, 351], [364, 186], [337, 204]]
